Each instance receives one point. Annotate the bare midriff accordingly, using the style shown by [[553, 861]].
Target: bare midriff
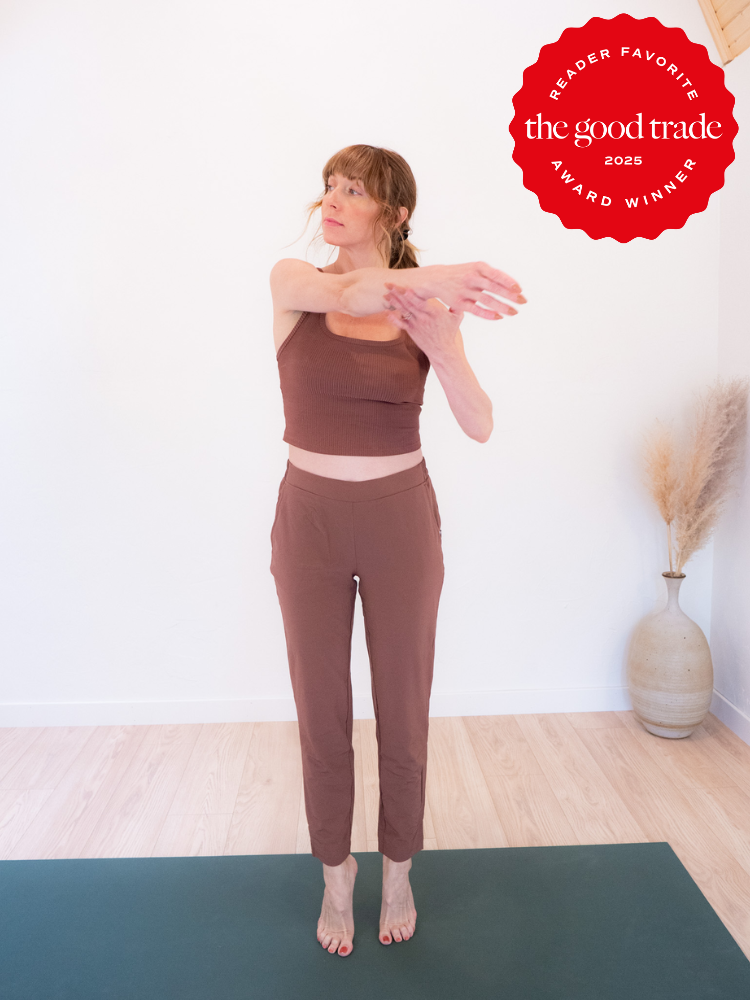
[[352, 467]]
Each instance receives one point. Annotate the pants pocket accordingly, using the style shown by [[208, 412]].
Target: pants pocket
[[278, 504], [434, 505]]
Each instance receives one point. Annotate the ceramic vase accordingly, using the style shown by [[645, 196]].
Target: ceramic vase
[[669, 669]]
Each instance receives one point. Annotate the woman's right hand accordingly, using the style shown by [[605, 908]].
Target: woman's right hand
[[466, 288]]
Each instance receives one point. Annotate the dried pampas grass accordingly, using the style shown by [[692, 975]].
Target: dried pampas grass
[[691, 486]]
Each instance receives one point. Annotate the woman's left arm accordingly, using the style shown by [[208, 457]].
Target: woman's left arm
[[435, 329]]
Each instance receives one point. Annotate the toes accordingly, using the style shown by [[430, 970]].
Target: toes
[[332, 944], [385, 937], [396, 934]]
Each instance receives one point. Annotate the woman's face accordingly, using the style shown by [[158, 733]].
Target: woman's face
[[348, 213]]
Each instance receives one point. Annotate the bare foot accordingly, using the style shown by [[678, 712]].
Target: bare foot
[[336, 923], [397, 914]]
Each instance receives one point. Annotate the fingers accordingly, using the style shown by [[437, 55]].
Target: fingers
[[496, 305], [410, 300], [484, 279], [483, 313], [497, 277], [513, 296], [405, 299], [496, 288], [490, 279], [409, 308]]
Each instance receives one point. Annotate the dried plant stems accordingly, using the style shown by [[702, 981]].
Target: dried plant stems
[[715, 455], [692, 489], [669, 546], [662, 476]]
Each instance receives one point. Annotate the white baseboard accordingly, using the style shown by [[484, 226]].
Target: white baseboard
[[442, 703], [530, 701], [731, 716]]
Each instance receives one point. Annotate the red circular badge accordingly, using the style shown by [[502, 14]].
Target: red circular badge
[[623, 128]]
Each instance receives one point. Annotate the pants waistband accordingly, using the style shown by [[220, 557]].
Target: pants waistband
[[365, 489]]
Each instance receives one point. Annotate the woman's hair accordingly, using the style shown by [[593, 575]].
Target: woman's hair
[[388, 179]]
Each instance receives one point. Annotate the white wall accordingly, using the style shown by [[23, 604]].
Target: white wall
[[156, 162], [730, 617]]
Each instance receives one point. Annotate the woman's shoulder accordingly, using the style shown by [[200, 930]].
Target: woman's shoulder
[[290, 267], [296, 263]]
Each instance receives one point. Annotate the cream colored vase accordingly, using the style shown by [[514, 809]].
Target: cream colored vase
[[670, 673]]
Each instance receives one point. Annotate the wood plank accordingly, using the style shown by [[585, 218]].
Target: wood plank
[[368, 745], [594, 720], [212, 776], [303, 830], [726, 10], [501, 738], [18, 809], [741, 44], [689, 762], [73, 809], [591, 805], [737, 27], [265, 819], [428, 826], [47, 758], [630, 721], [728, 750], [717, 34], [131, 824], [14, 742], [665, 813], [522, 796], [727, 809], [359, 823], [463, 812], [192, 836]]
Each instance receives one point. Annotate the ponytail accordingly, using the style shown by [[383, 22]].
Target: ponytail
[[403, 253]]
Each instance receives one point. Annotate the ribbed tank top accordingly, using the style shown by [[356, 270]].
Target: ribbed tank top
[[346, 396]]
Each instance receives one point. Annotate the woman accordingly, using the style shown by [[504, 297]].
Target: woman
[[354, 349]]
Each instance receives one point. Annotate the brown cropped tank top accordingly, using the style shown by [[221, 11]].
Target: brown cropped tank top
[[347, 396]]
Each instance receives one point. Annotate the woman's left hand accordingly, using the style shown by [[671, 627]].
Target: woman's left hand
[[431, 325]]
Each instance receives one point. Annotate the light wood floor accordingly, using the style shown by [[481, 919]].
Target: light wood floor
[[492, 781]]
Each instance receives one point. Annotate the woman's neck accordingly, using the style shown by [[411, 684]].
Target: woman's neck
[[353, 259]]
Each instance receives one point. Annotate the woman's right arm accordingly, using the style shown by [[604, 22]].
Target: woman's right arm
[[298, 286]]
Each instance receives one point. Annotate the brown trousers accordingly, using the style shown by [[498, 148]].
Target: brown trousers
[[386, 533]]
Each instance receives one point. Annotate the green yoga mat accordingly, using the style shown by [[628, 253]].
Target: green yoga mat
[[603, 922]]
